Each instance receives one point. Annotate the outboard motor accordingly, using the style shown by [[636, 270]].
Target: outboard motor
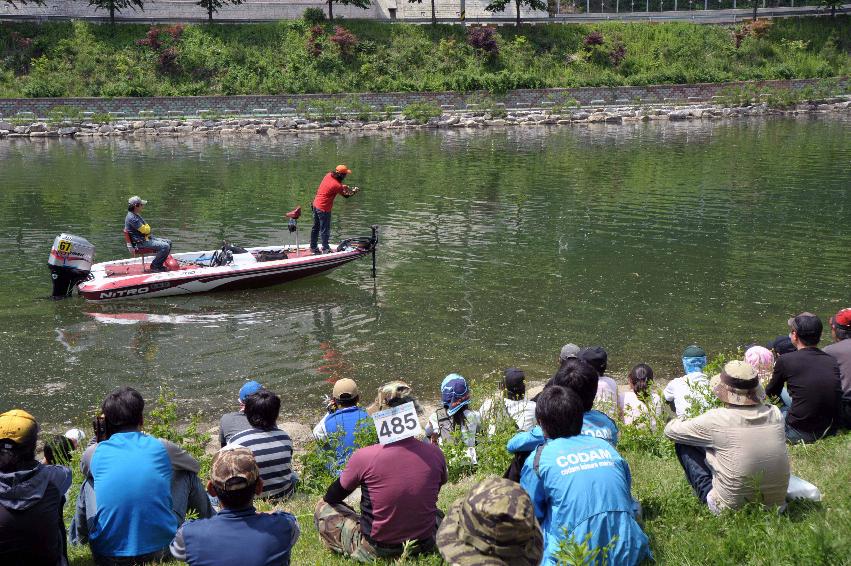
[[70, 262]]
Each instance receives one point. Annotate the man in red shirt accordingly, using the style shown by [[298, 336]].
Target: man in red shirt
[[331, 186]]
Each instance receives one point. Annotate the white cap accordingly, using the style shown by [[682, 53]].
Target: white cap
[[136, 200]]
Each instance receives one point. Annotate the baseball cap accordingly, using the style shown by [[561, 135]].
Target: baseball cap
[[18, 426], [694, 351], [76, 435], [781, 345], [135, 200], [249, 388], [342, 169], [842, 319], [569, 351], [596, 356], [807, 326], [515, 380], [738, 384], [494, 525], [234, 468], [345, 389]]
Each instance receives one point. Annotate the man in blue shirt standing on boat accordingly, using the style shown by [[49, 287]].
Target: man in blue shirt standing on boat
[[140, 234]]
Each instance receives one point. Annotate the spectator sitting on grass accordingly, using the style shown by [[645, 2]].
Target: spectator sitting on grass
[[641, 404], [580, 486], [511, 403], [607, 396], [137, 488], [681, 391], [232, 423], [812, 380], [343, 419], [581, 378], [31, 497], [840, 328], [272, 447], [238, 534], [494, 525], [735, 453], [567, 352], [399, 485], [455, 415]]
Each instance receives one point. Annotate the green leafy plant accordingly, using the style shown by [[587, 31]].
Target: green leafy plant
[[421, 112], [319, 458], [573, 553], [162, 422], [101, 118], [61, 113], [313, 16]]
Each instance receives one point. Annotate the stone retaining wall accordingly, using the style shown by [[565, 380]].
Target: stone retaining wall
[[285, 105], [271, 126]]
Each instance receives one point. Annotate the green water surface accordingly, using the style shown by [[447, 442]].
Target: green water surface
[[497, 247]]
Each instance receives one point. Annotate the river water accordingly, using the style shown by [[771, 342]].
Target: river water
[[497, 247]]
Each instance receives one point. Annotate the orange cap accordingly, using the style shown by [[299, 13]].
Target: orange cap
[[342, 169]]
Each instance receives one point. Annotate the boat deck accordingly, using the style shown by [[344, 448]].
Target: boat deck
[[138, 268]]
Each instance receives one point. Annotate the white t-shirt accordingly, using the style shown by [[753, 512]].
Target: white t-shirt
[[679, 391], [633, 408], [607, 396], [522, 411]]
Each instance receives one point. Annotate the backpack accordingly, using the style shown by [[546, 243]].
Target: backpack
[[444, 424]]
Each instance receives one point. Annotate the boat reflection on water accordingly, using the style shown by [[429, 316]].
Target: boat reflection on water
[[203, 347]]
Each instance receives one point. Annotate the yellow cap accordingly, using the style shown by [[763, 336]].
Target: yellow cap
[[18, 425]]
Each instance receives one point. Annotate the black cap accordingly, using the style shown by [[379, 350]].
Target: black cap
[[807, 326], [596, 356], [514, 380], [781, 345]]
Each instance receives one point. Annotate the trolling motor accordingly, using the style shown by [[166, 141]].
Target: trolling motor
[[70, 263], [292, 225]]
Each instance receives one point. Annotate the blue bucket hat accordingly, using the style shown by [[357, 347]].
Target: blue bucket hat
[[249, 388], [454, 393]]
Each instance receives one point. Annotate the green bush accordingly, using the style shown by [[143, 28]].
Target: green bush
[[162, 422], [313, 16], [319, 458], [421, 112]]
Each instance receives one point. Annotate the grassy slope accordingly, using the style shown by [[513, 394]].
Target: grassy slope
[[82, 59], [681, 531]]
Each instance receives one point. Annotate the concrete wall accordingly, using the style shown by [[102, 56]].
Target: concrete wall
[[287, 104], [262, 10]]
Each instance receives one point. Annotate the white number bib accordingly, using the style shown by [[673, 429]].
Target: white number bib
[[397, 423]]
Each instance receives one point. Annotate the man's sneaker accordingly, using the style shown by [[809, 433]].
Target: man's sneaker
[[326, 251], [316, 252], [158, 269]]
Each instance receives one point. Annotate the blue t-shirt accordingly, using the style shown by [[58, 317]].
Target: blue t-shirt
[[242, 537], [594, 423], [132, 223], [132, 480], [345, 422], [583, 485]]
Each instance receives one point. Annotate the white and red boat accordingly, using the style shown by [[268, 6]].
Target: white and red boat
[[71, 266]]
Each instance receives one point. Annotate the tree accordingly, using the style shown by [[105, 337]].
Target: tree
[[116, 6], [500, 5], [212, 6], [363, 4], [832, 4], [433, 13]]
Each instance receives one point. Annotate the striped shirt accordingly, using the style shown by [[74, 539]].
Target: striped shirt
[[273, 451]]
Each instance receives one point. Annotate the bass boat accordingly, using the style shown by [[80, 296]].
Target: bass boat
[[231, 267]]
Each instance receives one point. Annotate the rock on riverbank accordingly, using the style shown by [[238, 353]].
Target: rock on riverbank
[[470, 119]]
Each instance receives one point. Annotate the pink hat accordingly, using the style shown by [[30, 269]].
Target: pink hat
[[759, 357]]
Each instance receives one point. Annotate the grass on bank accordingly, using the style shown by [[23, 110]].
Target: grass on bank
[[681, 531], [86, 59]]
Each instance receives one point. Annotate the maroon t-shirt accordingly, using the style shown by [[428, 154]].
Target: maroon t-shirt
[[399, 485]]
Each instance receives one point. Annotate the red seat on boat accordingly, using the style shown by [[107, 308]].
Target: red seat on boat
[[134, 251]]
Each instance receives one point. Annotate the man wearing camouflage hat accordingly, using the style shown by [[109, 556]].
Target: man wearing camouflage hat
[[238, 534], [494, 525], [723, 450], [31, 496]]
